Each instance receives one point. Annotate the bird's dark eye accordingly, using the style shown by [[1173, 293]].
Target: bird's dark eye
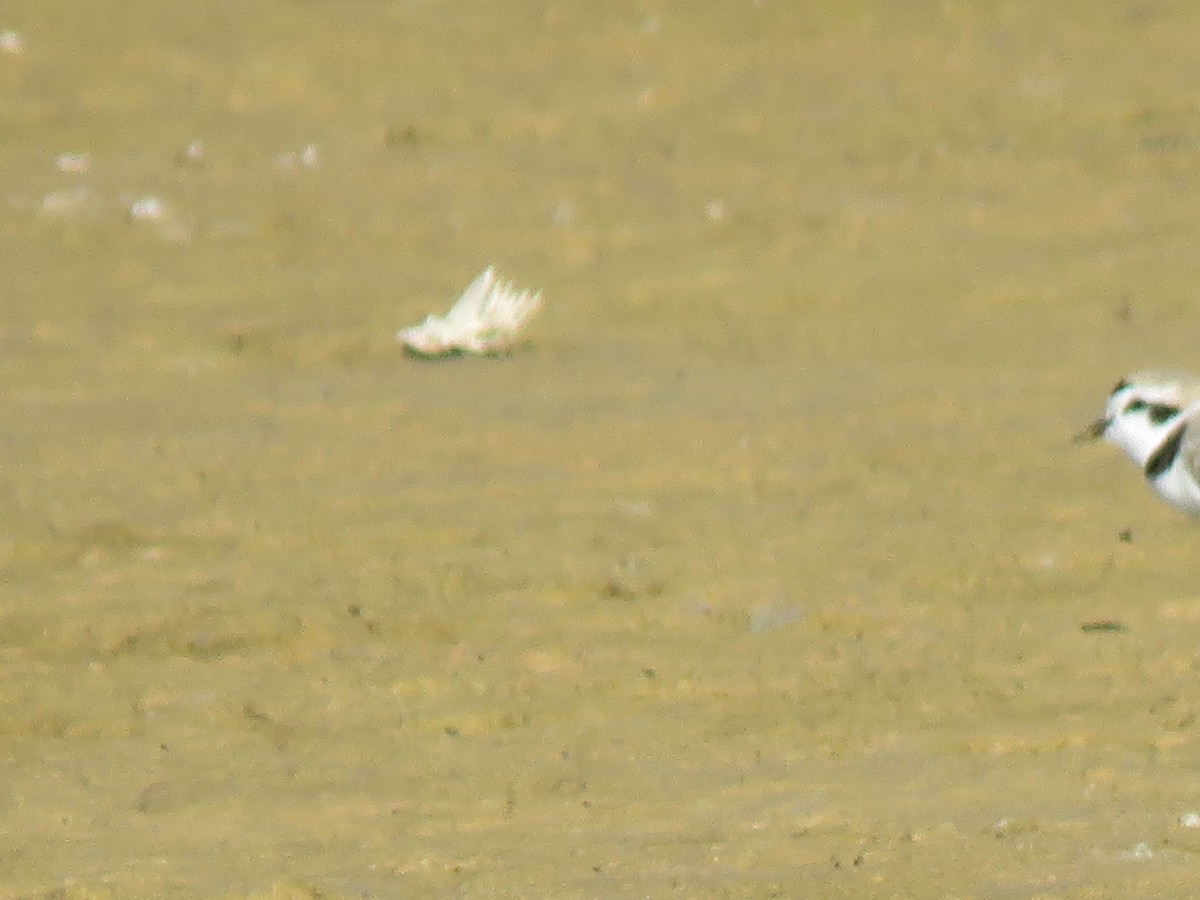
[[1161, 412], [1157, 413]]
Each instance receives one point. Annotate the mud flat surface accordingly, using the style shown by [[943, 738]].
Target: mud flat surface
[[766, 568]]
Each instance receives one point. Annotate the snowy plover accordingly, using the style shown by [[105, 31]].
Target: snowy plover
[[1152, 416]]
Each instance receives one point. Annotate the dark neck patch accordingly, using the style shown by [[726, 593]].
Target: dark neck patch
[[1162, 458]]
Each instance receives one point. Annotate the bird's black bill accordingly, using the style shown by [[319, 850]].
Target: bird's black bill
[[1093, 432]]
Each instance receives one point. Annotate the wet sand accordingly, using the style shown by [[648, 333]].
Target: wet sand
[[767, 568]]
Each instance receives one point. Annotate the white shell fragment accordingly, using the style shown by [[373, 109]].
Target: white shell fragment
[[485, 319], [147, 209], [306, 158], [76, 163], [11, 42]]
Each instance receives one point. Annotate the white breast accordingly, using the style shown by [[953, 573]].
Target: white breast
[[1178, 485]]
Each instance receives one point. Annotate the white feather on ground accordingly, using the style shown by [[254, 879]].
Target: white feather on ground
[[486, 319]]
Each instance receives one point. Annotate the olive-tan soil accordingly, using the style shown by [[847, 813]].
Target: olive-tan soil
[[765, 566]]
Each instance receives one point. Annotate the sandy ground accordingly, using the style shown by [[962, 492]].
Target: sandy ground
[[766, 568]]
